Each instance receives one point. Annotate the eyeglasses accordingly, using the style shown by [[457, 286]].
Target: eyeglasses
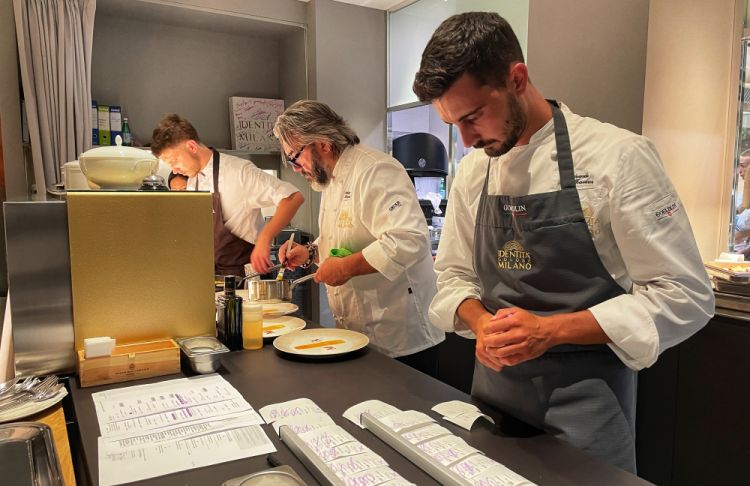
[[293, 159]]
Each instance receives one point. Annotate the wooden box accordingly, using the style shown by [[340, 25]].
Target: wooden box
[[130, 362]]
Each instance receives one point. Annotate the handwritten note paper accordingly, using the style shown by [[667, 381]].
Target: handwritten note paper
[[500, 476], [372, 477], [422, 434], [405, 420], [304, 423], [481, 470], [473, 465], [353, 462], [348, 466], [447, 450], [376, 408], [292, 408], [323, 439]]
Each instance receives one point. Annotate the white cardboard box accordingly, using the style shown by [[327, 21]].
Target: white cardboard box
[[251, 123]]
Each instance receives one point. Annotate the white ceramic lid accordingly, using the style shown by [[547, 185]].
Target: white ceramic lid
[[118, 151]]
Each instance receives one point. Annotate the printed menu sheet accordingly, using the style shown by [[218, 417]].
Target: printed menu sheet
[[162, 428]]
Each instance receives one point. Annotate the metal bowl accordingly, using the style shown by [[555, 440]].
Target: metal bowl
[[274, 290], [203, 353]]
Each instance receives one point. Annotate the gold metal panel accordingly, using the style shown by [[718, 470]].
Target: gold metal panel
[[141, 265]]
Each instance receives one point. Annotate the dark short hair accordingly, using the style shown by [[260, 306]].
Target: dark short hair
[[173, 175], [171, 130], [482, 44]]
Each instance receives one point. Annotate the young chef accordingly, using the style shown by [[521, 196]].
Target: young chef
[[369, 208], [566, 251], [239, 191]]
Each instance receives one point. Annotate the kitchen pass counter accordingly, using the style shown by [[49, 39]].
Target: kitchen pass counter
[[264, 377]]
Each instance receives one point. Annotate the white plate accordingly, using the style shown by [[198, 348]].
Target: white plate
[[270, 308], [278, 308], [321, 342], [278, 326], [30, 408]]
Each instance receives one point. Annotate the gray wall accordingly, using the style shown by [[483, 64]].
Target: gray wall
[[591, 55], [350, 65], [150, 69], [347, 70], [293, 85], [285, 11]]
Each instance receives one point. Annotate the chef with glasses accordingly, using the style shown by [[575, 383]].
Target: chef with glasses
[[373, 250]]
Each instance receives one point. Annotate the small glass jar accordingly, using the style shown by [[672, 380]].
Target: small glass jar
[[252, 325]]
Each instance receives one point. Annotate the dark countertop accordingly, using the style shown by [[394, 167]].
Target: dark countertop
[[264, 377]]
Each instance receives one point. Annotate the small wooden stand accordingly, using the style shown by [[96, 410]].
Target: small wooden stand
[[130, 362]]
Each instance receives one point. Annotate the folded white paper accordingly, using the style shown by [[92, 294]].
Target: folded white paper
[[96, 347], [460, 413]]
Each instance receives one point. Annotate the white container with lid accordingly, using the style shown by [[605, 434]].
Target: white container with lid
[[117, 166]]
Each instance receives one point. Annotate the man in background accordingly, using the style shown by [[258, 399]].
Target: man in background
[[239, 191]]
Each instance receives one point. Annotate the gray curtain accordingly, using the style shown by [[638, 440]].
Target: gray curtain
[[54, 53]]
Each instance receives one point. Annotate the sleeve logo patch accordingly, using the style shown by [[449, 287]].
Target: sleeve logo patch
[[394, 206], [666, 211]]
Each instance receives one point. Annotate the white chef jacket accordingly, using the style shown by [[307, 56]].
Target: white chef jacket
[[243, 189], [371, 206], [638, 224]]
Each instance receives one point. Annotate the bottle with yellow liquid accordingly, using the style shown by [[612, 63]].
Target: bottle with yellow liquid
[[252, 325]]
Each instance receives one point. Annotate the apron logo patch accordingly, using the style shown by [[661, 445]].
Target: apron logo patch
[[347, 195], [345, 220], [513, 256], [515, 209], [584, 179], [591, 221], [666, 211]]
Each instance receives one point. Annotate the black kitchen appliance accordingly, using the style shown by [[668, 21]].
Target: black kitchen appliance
[[426, 161]]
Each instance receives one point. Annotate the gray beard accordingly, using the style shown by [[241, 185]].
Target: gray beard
[[318, 187], [319, 179]]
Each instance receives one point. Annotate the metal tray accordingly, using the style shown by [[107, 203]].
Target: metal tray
[[730, 301], [277, 476], [729, 287], [28, 456]]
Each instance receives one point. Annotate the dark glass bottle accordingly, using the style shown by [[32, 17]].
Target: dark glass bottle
[[232, 314]]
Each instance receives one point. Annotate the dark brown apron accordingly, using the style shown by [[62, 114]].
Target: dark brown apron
[[230, 252]]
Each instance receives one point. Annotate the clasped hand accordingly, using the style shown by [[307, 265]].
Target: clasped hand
[[512, 336]]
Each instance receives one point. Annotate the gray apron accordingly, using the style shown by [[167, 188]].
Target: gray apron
[[535, 252]]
